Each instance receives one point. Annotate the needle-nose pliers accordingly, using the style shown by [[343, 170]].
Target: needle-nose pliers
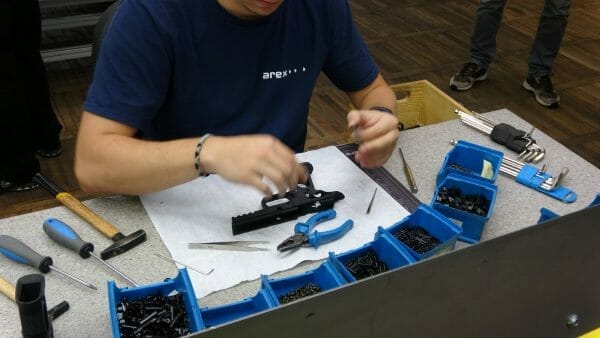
[[303, 234]]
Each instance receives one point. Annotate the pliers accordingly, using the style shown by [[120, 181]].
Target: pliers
[[303, 235]]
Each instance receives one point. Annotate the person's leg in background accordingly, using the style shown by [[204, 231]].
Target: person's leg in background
[[483, 45], [25, 112], [550, 32], [46, 126]]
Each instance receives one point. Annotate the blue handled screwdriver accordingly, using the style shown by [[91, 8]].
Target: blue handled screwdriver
[[21, 253], [64, 235]]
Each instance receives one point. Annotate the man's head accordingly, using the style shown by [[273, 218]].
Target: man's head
[[250, 9]]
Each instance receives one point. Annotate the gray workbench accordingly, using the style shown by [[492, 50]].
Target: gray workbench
[[516, 207]]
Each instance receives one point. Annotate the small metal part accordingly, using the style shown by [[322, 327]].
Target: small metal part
[[153, 315], [301, 292], [572, 320], [58, 310], [365, 265], [560, 177], [187, 266], [371, 202]]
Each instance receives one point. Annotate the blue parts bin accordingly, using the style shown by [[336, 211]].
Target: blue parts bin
[[546, 214], [436, 224], [326, 277], [180, 284], [468, 159], [472, 224], [386, 248], [217, 315]]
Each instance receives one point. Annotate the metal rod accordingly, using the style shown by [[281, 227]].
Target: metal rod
[[110, 266], [408, 172], [371, 203], [187, 266], [52, 267]]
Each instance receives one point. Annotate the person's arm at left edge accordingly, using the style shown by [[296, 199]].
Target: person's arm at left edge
[[376, 130]]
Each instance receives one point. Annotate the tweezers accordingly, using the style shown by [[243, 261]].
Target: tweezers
[[230, 246]]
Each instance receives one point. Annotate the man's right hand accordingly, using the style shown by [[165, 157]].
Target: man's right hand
[[248, 159], [109, 159]]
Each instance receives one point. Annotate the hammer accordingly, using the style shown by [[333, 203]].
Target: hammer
[[121, 243]]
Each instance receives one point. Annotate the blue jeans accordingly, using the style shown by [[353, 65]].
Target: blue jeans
[[551, 29]]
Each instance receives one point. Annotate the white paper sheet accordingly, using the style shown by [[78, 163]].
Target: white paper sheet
[[201, 211]]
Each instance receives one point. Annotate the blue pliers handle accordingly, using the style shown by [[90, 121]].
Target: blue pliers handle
[[304, 234]]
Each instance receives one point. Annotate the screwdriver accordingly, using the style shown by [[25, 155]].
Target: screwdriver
[[409, 175], [21, 253], [64, 235]]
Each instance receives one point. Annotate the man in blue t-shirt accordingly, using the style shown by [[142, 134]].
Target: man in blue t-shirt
[[187, 87]]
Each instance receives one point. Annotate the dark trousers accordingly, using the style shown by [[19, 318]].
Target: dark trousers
[[550, 32], [27, 120]]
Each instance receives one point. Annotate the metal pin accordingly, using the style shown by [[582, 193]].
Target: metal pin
[[113, 269], [187, 266], [371, 203], [79, 280]]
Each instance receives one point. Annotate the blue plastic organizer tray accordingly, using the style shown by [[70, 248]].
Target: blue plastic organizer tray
[[472, 224], [470, 156], [217, 315], [326, 277], [181, 283], [387, 249], [436, 224]]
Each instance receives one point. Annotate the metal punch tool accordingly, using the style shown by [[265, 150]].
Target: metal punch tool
[[229, 246]]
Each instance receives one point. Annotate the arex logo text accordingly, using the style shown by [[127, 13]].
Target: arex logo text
[[282, 73]]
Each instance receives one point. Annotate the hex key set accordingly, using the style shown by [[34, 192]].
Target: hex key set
[[505, 134]]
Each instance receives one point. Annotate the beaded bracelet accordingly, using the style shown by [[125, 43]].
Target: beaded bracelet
[[197, 155]]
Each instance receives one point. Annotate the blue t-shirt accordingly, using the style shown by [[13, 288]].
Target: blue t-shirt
[[183, 68]]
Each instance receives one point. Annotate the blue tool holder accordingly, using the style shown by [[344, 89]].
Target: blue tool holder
[[436, 224], [532, 177]]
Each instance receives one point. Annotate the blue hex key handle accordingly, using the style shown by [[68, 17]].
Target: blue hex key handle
[[21, 253], [64, 235], [305, 236]]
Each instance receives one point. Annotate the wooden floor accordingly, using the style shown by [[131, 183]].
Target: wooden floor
[[410, 40]]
